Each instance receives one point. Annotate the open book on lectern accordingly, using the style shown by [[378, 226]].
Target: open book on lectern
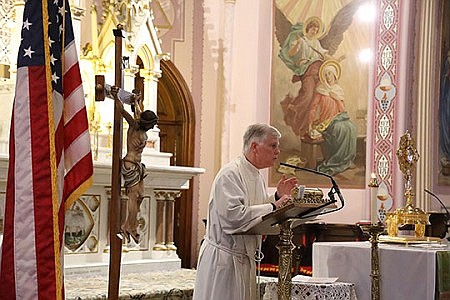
[[299, 213]]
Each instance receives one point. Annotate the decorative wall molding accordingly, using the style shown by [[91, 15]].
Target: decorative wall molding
[[385, 95]]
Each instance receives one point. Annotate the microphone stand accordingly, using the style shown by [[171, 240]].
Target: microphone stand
[[285, 245], [334, 190]]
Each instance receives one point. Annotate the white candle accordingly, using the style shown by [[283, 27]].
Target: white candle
[[373, 184]]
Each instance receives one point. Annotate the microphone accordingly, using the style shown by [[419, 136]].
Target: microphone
[[334, 190], [447, 213]]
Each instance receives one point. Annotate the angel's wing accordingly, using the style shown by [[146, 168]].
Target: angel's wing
[[339, 25], [282, 26]]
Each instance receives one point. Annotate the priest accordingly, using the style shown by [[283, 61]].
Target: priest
[[226, 267]]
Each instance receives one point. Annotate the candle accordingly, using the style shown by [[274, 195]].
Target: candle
[[373, 185]]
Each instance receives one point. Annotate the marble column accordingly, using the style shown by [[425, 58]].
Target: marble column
[[227, 48], [151, 78], [165, 207], [160, 215], [426, 87], [170, 208], [150, 88]]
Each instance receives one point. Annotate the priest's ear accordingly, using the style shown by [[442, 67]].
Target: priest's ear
[[253, 146]]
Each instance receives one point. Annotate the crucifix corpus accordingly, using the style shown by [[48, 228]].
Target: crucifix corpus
[[123, 210]]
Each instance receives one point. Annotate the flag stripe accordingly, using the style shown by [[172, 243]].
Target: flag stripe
[[71, 56], [25, 225], [72, 105], [42, 179], [76, 182], [59, 145], [75, 78], [73, 130]]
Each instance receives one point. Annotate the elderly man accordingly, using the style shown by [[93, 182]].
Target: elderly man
[[238, 200]]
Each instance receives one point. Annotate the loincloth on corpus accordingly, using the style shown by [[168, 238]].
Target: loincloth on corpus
[[134, 174]]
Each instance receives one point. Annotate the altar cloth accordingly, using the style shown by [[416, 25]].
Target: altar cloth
[[311, 291], [406, 271]]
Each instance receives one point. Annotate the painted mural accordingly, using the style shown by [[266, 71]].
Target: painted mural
[[444, 102], [320, 67]]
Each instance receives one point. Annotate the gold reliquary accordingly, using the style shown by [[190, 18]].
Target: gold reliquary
[[408, 216]]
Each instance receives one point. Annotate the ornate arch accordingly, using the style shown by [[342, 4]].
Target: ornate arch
[[177, 124]]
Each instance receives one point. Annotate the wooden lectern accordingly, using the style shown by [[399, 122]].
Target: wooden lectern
[[281, 222]]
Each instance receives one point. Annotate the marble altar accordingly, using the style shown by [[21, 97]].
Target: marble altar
[[86, 230]]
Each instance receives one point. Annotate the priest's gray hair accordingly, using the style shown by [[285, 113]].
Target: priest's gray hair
[[258, 133]]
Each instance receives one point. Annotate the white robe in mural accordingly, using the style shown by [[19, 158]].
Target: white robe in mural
[[226, 265]]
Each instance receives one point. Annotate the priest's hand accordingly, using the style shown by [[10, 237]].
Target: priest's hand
[[284, 200], [285, 186]]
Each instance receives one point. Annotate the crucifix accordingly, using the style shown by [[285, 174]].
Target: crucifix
[[123, 210]]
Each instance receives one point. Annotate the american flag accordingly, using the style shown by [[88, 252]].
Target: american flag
[[50, 161]]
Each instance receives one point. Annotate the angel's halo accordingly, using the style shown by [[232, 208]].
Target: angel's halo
[[318, 21]]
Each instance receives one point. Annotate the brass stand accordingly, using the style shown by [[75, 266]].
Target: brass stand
[[374, 232], [285, 247], [281, 222]]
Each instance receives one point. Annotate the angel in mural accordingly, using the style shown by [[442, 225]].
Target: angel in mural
[[303, 50], [329, 121]]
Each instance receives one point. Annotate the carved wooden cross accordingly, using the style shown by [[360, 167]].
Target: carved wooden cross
[[115, 211]]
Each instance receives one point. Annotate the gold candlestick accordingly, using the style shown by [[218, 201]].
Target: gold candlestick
[[374, 232], [285, 247]]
